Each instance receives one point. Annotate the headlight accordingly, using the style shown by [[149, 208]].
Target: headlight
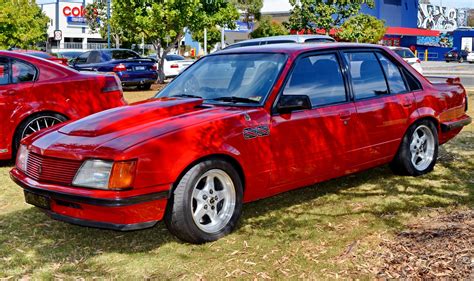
[[103, 174], [22, 158]]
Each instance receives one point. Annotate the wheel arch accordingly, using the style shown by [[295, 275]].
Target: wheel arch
[[219, 156]]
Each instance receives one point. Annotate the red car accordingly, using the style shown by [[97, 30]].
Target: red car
[[44, 55], [36, 94], [237, 126]]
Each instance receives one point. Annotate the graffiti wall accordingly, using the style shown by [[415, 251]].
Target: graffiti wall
[[441, 18]]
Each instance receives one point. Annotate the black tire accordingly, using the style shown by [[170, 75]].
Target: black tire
[[145, 87], [402, 163], [22, 132], [179, 214]]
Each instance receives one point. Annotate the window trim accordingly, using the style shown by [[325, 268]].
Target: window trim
[[336, 52], [9, 69]]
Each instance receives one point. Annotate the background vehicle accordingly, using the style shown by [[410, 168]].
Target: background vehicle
[[409, 57], [69, 55], [132, 69], [470, 57], [240, 125], [36, 94], [174, 64], [43, 55], [456, 55], [283, 39]]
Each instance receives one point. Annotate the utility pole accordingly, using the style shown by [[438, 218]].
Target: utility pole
[[222, 38], [108, 24]]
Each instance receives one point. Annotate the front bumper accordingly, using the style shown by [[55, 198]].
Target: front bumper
[[124, 214]]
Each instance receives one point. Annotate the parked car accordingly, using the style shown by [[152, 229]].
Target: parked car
[[408, 56], [36, 94], [283, 39], [132, 69], [69, 55], [43, 55], [237, 126], [456, 56], [470, 57], [174, 64]]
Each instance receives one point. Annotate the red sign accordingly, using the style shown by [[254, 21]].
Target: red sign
[[74, 11]]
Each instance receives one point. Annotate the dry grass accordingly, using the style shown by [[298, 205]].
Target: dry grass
[[324, 231]]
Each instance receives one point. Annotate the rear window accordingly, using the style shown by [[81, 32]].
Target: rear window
[[123, 55], [319, 40], [405, 53], [174, 57], [278, 42]]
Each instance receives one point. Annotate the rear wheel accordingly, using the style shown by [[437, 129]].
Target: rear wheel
[[418, 151], [34, 124], [206, 204]]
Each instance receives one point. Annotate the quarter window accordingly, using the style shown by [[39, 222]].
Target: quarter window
[[368, 79], [82, 59], [394, 76], [22, 72], [318, 77], [4, 72]]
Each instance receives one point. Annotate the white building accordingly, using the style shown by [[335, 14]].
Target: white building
[[67, 16]]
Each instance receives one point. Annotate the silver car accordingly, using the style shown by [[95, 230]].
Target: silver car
[[283, 39]]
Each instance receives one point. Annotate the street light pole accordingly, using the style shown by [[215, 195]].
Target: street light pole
[[205, 41], [108, 24]]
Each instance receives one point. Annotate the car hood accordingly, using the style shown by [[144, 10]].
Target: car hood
[[127, 117]]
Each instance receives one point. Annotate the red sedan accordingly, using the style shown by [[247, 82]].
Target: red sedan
[[237, 126], [36, 94]]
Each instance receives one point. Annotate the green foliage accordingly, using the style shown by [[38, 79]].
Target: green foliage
[[310, 15], [362, 29], [250, 9], [213, 36], [268, 27], [22, 24], [163, 23]]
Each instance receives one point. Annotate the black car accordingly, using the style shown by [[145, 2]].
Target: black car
[[455, 55], [132, 69]]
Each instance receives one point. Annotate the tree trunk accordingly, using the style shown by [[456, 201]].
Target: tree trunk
[[161, 60], [117, 41]]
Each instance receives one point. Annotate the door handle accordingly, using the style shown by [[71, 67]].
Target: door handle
[[345, 115], [407, 103]]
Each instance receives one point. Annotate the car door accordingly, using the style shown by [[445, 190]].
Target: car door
[[6, 101], [383, 103], [310, 145]]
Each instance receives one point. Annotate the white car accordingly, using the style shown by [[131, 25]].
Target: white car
[[174, 64], [409, 57], [470, 57]]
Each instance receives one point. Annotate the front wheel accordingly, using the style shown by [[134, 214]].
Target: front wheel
[[418, 151], [206, 204]]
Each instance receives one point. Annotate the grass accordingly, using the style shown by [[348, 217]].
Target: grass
[[304, 233]]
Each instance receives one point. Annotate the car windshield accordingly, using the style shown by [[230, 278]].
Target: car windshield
[[234, 78], [405, 53]]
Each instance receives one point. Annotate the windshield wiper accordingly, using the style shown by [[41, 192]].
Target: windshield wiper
[[187, 96], [235, 99]]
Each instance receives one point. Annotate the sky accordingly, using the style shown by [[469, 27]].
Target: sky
[[284, 5]]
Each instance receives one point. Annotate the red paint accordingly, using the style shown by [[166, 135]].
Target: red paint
[[74, 11], [407, 31], [56, 89], [167, 136]]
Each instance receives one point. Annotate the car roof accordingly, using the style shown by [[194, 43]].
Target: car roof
[[296, 38], [295, 48], [398, 48]]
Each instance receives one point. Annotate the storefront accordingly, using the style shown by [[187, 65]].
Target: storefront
[[67, 29]]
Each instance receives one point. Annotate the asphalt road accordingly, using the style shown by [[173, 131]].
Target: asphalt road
[[465, 71]]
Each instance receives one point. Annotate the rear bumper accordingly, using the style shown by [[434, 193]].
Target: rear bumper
[[138, 82], [123, 214], [456, 124]]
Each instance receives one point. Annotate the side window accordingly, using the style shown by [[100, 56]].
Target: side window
[[368, 79], [318, 77], [412, 82], [82, 59], [4, 71], [94, 57], [395, 80], [22, 72]]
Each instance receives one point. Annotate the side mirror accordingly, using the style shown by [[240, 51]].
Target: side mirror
[[289, 103]]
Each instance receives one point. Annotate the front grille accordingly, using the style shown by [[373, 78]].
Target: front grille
[[53, 170]]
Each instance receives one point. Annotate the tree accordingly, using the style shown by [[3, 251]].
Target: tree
[[163, 22], [22, 24], [309, 15], [213, 37], [362, 29], [268, 27], [250, 10], [96, 16]]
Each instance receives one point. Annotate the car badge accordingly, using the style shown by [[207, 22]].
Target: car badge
[[247, 117]]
